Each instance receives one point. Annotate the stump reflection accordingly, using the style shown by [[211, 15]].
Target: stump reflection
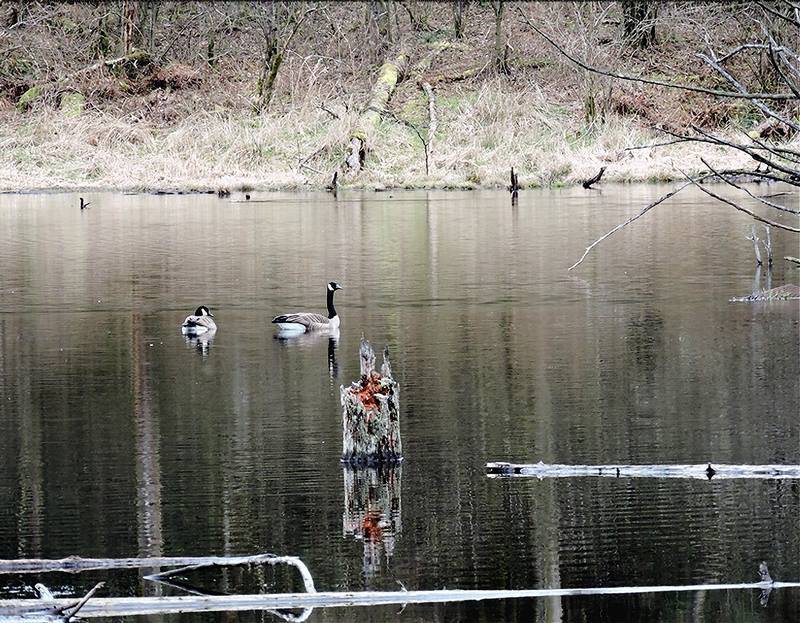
[[372, 511]]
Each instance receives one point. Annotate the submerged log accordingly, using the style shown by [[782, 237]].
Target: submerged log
[[788, 292], [381, 92], [701, 471], [371, 414]]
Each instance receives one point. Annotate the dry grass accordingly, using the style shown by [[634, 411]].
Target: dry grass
[[183, 124], [481, 134]]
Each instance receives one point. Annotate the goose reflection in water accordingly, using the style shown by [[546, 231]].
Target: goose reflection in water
[[308, 341], [202, 342]]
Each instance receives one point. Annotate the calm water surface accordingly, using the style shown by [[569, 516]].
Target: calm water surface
[[118, 437]]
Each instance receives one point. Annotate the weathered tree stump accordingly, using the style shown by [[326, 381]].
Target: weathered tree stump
[[371, 414]]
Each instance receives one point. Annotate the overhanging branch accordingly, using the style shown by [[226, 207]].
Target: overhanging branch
[[661, 83]]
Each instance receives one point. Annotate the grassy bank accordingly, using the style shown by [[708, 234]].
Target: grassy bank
[[480, 135], [164, 95]]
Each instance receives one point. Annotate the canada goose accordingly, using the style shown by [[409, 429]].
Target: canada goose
[[199, 322], [305, 321]]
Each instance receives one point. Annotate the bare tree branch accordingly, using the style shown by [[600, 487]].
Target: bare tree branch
[[662, 83], [724, 178], [740, 208], [768, 9], [633, 218], [771, 53], [753, 98]]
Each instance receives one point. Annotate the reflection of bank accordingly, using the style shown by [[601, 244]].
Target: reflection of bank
[[372, 510]]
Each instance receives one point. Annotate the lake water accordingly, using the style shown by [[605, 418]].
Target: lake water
[[118, 437]]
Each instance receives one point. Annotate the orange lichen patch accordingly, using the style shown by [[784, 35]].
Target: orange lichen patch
[[370, 386], [371, 525]]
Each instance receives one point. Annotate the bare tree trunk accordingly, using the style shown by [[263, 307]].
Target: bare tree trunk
[[269, 72], [130, 12], [459, 8], [638, 20], [431, 126], [500, 59]]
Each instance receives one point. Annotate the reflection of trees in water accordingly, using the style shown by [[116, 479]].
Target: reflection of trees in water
[[147, 440], [644, 342]]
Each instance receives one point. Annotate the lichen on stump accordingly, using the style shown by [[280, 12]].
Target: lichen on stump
[[371, 414]]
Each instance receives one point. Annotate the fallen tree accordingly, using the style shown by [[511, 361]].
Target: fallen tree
[[700, 471], [389, 75]]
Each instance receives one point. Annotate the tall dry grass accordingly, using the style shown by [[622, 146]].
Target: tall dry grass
[[481, 134]]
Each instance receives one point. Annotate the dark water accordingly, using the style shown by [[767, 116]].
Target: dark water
[[119, 438]]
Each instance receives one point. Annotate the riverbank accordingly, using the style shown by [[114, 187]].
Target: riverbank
[[194, 98], [479, 137]]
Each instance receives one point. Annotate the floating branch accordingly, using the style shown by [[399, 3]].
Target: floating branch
[[701, 471], [270, 559], [371, 414]]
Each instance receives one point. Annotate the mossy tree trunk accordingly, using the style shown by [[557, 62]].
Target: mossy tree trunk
[[388, 77], [371, 414], [279, 23]]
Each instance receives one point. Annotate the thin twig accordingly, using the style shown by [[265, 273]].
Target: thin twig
[[740, 208], [630, 220], [756, 197], [662, 83], [329, 111]]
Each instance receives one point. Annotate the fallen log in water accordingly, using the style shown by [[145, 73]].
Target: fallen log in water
[[140, 606], [701, 471], [788, 292], [371, 414], [76, 564]]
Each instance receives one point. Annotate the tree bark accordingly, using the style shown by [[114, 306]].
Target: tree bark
[[459, 7], [500, 57], [389, 76], [130, 13], [638, 19], [371, 414]]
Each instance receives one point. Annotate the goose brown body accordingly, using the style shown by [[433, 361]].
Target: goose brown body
[[309, 321]]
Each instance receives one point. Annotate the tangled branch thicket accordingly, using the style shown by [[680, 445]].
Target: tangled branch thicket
[[775, 95], [198, 95]]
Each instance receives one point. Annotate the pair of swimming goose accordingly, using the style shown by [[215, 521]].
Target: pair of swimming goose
[[299, 322]]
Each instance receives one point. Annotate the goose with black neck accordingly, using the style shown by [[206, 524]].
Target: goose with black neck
[[302, 322]]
